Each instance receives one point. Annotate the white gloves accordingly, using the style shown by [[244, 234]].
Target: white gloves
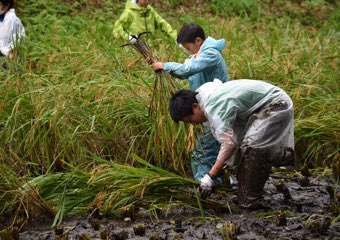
[[132, 39], [206, 186]]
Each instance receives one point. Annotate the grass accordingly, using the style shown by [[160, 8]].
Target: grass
[[75, 93]]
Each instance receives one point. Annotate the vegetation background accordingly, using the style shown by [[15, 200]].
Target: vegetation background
[[74, 99]]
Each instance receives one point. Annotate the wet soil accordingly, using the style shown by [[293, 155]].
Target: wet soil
[[307, 211]]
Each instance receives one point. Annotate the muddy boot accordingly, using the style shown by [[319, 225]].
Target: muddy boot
[[253, 173], [286, 160]]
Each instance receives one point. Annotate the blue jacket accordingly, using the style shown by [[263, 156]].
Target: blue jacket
[[203, 67]]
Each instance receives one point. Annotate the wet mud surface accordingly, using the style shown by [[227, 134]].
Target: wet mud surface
[[308, 213]]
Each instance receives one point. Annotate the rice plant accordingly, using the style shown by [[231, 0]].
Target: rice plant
[[78, 94], [108, 187]]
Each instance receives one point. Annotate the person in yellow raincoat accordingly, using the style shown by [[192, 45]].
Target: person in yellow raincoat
[[140, 17]]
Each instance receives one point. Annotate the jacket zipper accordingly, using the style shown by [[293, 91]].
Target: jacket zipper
[[146, 25]]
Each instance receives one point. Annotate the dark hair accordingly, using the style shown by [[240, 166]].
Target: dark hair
[[189, 32], [10, 2], [181, 104]]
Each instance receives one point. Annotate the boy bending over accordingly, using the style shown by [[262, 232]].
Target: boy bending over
[[252, 120]]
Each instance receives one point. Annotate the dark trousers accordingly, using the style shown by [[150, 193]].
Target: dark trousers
[[268, 141]]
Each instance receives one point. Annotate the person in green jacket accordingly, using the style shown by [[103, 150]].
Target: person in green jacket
[[139, 17]]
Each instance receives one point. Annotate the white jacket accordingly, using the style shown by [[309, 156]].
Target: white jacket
[[248, 113], [11, 32]]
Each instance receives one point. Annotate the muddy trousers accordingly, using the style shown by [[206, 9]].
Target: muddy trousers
[[253, 172], [268, 141]]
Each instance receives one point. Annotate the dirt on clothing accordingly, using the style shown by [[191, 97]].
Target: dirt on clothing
[[297, 208]]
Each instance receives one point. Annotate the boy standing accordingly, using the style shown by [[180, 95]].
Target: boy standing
[[139, 17], [249, 118], [204, 64]]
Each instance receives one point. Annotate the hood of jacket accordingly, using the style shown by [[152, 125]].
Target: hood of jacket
[[10, 13], [133, 6], [213, 43]]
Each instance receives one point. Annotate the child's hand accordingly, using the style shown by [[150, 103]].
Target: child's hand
[[157, 66]]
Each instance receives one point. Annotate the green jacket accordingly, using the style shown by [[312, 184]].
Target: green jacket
[[135, 20]]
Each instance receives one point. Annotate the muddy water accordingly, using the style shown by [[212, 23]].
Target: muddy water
[[307, 214]]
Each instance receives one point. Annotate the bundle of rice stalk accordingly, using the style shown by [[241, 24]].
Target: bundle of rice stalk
[[168, 138], [64, 193], [110, 187], [50, 196], [123, 186]]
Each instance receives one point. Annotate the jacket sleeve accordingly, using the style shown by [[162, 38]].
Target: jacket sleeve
[[164, 26], [205, 60], [222, 128], [118, 30]]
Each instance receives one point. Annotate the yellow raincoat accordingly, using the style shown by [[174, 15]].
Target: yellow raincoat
[[135, 20]]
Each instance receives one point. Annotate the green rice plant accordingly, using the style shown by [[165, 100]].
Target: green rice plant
[[142, 186], [232, 8], [138, 186], [17, 202], [322, 143], [69, 102], [109, 187]]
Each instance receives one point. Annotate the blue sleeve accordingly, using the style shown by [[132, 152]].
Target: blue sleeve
[[203, 61]]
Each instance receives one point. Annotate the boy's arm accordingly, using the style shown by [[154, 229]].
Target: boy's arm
[[157, 66], [118, 30], [205, 60], [226, 151], [163, 25], [222, 126]]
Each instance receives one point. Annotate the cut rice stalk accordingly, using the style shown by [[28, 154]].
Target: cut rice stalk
[[166, 133]]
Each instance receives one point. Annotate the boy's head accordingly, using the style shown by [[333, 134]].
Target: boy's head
[[184, 107], [5, 5], [191, 37], [142, 3]]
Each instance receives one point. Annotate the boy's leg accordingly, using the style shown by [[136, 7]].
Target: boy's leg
[[253, 173], [205, 153], [267, 143]]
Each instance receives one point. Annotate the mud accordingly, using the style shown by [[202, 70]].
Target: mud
[[309, 211]]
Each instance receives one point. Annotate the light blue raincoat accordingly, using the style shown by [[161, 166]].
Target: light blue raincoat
[[205, 154], [201, 68]]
